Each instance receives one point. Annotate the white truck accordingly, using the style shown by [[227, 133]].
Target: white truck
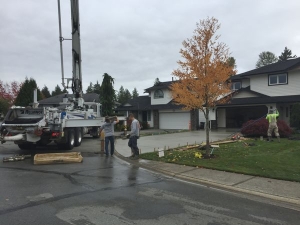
[[29, 127]]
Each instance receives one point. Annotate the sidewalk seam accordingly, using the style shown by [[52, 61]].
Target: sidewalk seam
[[243, 181]]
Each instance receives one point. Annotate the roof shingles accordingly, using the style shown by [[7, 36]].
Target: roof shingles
[[282, 66]]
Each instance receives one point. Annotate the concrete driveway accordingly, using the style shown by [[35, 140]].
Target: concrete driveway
[[148, 143]]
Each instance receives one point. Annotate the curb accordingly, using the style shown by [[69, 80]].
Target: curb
[[210, 183]]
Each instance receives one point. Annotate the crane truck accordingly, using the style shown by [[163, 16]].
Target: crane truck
[[29, 127]]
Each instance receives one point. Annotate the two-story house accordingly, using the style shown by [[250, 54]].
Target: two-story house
[[254, 92], [273, 86], [158, 110]]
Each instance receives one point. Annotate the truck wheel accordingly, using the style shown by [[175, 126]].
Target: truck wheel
[[70, 140], [77, 136], [96, 131]]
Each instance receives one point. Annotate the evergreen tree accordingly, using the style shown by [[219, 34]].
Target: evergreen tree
[[57, 91], [25, 96], [107, 95], [135, 93], [65, 91], [97, 88], [90, 88], [127, 95], [121, 96], [46, 92], [286, 54]]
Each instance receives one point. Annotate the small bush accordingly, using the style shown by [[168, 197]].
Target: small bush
[[120, 127], [260, 128], [145, 125]]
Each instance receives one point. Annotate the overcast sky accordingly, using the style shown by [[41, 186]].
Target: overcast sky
[[136, 41]]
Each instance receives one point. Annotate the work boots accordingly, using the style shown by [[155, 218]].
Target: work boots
[[269, 139]]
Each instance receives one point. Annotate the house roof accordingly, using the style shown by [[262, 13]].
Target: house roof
[[282, 66], [263, 100], [169, 105], [161, 85], [144, 103], [138, 103], [90, 97]]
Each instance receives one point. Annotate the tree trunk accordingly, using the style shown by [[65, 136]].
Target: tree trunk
[[207, 131]]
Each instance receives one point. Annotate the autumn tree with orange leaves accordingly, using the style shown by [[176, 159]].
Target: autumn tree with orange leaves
[[8, 94], [202, 78]]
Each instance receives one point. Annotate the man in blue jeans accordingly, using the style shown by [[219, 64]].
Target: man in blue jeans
[[109, 131], [134, 135]]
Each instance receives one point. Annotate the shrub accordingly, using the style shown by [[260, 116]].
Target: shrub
[[260, 128], [119, 127], [145, 125]]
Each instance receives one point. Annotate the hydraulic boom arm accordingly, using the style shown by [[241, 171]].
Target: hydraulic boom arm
[[76, 53]]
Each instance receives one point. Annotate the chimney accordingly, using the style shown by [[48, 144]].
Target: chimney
[[172, 79]]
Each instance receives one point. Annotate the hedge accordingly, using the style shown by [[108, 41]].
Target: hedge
[[260, 128]]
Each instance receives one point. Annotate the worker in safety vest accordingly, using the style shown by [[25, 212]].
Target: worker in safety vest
[[272, 118]]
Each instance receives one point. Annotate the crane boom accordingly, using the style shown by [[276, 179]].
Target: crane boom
[[76, 50], [76, 79]]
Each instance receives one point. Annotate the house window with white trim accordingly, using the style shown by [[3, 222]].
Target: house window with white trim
[[236, 86], [278, 79], [158, 94]]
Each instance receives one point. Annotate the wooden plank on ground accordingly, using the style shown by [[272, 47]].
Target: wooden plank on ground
[[56, 158], [222, 142]]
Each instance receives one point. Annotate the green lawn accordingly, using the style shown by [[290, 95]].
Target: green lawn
[[274, 160]]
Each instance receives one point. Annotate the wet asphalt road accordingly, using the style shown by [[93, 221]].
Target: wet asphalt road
[[110, 191]]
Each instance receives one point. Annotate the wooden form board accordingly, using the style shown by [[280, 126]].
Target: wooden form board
[[56, 158]]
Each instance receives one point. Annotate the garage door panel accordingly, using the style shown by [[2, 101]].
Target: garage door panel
[[174, 120]]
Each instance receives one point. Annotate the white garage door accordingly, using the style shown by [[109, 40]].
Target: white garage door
[[174, 120]]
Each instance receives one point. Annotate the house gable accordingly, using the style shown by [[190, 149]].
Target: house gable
[[160, 93], [245, 94], [261, 84], [259, 79]]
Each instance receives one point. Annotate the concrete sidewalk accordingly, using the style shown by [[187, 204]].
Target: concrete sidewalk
[[280, 190]]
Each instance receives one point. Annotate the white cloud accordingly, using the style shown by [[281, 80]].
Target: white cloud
[[136, 41]]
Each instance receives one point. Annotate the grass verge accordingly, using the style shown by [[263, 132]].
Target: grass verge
[[265, 159]]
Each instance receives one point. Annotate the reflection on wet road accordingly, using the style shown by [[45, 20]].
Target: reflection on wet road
[[110, 191]]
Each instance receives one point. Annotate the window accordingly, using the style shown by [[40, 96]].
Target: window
[[277, 79], [159, 94], [287, 112], [236, 86], [149, 115]]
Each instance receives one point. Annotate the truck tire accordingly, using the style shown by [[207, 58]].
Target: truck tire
[[77, 136], [96, 132], [69, 145], [68, 142]]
